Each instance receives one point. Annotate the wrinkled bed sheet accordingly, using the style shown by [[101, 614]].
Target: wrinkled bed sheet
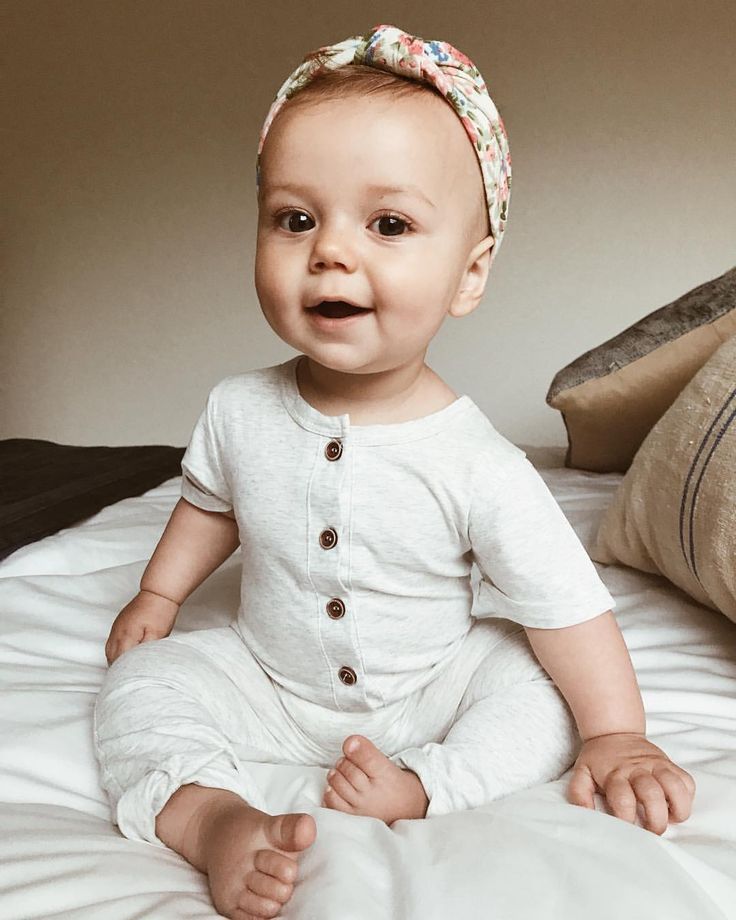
[[529, 855]]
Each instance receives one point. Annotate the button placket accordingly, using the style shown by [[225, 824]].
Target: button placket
[[328, 535]]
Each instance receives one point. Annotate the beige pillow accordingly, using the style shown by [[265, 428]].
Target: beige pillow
[[611, 396], [674, 513]]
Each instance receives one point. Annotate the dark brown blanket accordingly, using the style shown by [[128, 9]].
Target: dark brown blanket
[[45, 487]]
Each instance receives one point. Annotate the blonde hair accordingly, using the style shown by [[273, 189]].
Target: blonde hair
[[358, 80]]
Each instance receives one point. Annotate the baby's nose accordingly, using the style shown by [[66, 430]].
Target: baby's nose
[[334, 247]]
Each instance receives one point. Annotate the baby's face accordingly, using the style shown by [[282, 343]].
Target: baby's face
[[374, 201]]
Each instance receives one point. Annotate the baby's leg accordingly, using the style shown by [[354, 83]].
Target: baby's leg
[[513, 729], [166, 722]]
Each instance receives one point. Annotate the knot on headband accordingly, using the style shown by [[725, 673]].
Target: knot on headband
[[453, 74]]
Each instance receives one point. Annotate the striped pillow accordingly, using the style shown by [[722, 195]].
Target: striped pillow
[[674, 513], [611, 396]]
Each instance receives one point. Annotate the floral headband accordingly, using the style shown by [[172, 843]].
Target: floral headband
[[444, 67]]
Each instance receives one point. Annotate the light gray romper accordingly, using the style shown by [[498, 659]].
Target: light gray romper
[[355, 613]]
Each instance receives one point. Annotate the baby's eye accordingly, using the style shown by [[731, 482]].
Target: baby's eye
[[294, 223], [393, 223]]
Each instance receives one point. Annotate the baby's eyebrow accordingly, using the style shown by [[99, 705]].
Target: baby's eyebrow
[[401, 190], [407, 189]]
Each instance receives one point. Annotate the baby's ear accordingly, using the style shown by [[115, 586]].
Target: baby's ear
[[473, 282]]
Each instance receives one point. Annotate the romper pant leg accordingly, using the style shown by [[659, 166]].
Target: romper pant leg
[[512, 729], [177, 711]]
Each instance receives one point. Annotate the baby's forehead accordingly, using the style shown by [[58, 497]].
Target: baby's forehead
[[418, 128], [392, 141]]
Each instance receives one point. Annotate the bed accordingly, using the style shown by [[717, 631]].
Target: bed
[[528, 855]]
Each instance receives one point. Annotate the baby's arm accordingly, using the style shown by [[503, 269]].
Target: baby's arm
[[194, 544], [590, 664]]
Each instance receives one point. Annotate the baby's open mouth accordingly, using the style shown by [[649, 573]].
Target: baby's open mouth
[[337, 309]]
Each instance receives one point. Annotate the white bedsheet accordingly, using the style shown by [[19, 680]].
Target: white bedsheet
[[530, 855]]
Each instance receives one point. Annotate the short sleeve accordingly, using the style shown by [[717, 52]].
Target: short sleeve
[[535, 570], [204, 482]]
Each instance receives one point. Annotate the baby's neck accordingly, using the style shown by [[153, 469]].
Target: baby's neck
[[374, 399]]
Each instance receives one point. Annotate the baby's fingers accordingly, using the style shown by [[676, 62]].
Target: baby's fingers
[[679, 789], [651, 795], [581, 788], [112, 650], [120, 642], [621, 797], [155, 632]]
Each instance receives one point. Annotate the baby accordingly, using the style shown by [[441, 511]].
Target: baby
[[362, 489]]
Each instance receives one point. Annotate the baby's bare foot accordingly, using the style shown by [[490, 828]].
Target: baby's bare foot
[[251, 859], [366, 782]]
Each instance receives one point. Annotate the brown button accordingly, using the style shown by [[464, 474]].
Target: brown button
[[347, 676], [335, 608], [333, 451], [328, 538]]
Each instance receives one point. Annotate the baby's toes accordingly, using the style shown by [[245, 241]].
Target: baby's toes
[[267, 886], [353, 774], [345, 787], [280, 867], [335, 800], [366, 756], [251, 905]]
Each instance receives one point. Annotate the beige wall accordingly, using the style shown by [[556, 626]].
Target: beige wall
[[128, 285]]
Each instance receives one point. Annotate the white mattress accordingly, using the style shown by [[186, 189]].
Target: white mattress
[[530, 855]]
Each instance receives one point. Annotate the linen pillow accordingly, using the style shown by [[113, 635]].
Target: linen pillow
[[45, 486], [611, 396], [674, 513]]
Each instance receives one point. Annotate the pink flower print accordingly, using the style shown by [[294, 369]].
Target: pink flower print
[[470, 127], [443, 83], [459, 56]]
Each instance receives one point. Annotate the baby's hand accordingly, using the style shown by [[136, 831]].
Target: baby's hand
[[628, 770], [148, 616]]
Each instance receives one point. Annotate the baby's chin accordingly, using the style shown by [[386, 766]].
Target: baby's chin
[[344, 358], [357, 355]]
